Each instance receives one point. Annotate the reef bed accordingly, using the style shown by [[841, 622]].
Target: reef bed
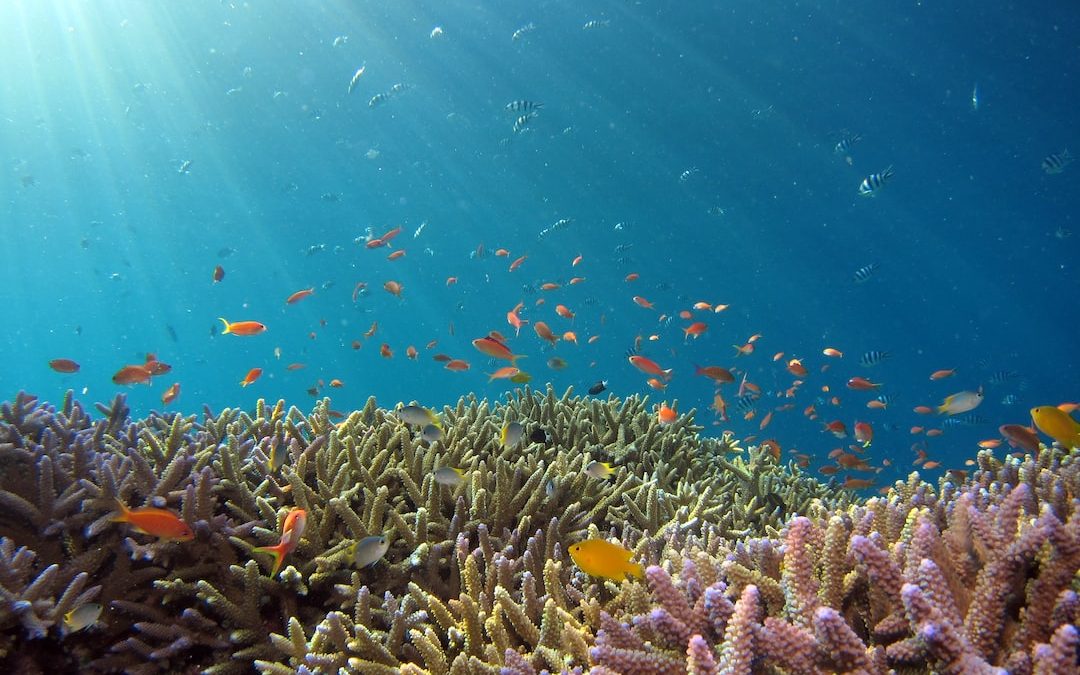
[[751, 565]]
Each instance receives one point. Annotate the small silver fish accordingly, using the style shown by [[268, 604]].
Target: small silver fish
[[185, 166], [431, 433], [449, 475], [418, 415], [356, 78], [521, 32], [81, 617], [511, 434], [370, 550]]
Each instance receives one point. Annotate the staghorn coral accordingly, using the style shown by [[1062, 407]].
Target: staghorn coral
[[476, 578]]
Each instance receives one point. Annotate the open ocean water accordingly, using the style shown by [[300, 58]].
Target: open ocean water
[[691, 144]]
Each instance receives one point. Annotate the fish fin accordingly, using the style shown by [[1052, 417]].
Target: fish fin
[[227, 326], [124, 512], [277, 552]]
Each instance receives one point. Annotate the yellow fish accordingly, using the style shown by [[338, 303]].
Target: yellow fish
[[599, 470], [1057, 424], [601, 558]]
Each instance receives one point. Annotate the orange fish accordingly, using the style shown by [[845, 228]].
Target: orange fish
[[642, 302], [942, 374], [64, 366], [156, 367], [550, 286], [695, 329], [396, 254], [219, 273], [291, 531], [336, 383], [576, 261], [861, 384], [934, 432], [295, 366], [656, 384], [857, 483], [666, 415], [375, 243], [837, 428], [371, 331], [685, 314], [393, 288], [243, 328], [501, 253], [457, 365], [385, 351], [931, 465], [576, 280], [765, 420], [170, 394], [701, 305], [389, 236], [132, 375], [796, 368], [450, 281], [161, 523], [252, 375], [564, 312], [923, 409], [633, 276], [990, 443], [410, 352], [495, 348], [514, 320], [835, 353], [744, 350], [648, 366], [875, 404], [360, 286], [714, 373], [543, 331], [299, 295], [517, 263], [569, 336], [506, 372]]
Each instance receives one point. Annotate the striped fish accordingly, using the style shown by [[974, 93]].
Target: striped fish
[[844, 145], [522, 122], [523, 106], [874, 182], [1056, 162], [873, 357], [971, 419], [1003, 376], [864, 273]]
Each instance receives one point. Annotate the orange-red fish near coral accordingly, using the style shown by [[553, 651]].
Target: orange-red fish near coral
[[64, 366], [251, 376], [1020, 436], [156, 367], [393, 288], [132, 375], [666, 415], [506, 372], [291, 531], [170, 394], [161, 523], [299, 295], [243, 328], [457, 365], [648, 366]]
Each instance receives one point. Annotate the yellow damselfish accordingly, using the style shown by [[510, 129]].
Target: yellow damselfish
[[601, 558], [1057, 424]]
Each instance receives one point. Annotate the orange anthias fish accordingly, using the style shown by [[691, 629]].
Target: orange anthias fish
[[299, 295], [242, 327], [64, 366], [291, 531], [647, 365], [514, 320], [170, 394], [132, 375], [694, 330], [601, 558], [506, 372], [495, 349], [393, 288], [544, 332], [862, 384], [715, 373], [161, 523], [251, 376], [666, 415]]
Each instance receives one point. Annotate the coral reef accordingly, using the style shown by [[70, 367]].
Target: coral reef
[[751, 565]]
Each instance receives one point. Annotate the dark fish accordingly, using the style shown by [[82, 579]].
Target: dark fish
[[1056, 162], [219, 273], [538, 435], [172, 332], [598, 387], [864, 273], [873, 357]]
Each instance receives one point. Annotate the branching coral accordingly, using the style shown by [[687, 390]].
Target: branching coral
[[476, 578]]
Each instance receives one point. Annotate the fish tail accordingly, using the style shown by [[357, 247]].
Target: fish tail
[[278, 551], [636, 571], [515, 357], [124, 512], [228, 328]]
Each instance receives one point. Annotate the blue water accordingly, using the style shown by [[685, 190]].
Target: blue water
[[109, 247]]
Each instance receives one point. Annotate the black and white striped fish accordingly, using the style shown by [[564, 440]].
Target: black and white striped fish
[[846, 142], [523, 106], [873, 357], [874, 182], [1003, 376], [1056, 162], [522, 122], [523, 31], [864, 273]]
